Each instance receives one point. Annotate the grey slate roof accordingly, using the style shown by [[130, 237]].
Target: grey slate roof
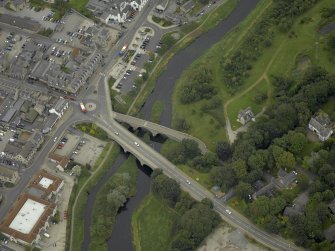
[[321, 124]]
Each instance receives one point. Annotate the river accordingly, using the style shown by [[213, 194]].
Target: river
[[121, 238]]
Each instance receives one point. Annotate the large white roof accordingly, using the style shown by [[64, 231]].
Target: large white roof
[[45, 182], [28, 216]]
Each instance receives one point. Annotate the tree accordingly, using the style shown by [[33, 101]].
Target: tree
[[199, 221], [240, 169], [205, 162], [118, 196], [328, 195], [259, 208], [223, 176], [190, 148], [223, 150], [166, 188], [207, 202], [303, 181], [258, 160], [156, 172], [285, 160], [243, 190]]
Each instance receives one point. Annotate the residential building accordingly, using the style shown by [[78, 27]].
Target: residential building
[[60, 161], [321, 125], [246, 115], [60, 107]]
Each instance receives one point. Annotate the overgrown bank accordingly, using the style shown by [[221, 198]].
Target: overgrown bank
[[111, 197], [170, 219]]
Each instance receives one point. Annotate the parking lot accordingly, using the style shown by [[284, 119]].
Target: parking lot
[[126, 73], [33, 15], [88, 152], [71, 30], [67, 148]]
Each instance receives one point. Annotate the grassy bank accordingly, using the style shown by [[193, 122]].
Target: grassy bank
[[193, 31], [152, 225], [156, 112], [105, 207]]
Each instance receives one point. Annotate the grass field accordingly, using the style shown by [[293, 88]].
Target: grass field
[[279, 59], [78, 4], [152, 225], [247, 100]]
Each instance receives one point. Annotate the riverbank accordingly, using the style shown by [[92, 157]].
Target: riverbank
[[109, 197], [152, 225], [190, 33], [78, 199]]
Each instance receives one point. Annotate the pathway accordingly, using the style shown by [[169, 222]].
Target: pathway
[[81, 190], [230, 132]]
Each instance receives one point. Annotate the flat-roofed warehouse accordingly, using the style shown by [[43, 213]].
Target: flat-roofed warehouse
[[27, 219]]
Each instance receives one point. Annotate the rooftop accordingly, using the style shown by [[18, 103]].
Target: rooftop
[[45, 182], [28, 216]]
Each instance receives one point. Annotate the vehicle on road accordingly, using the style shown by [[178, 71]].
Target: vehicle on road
[[82, 107], [228, 211], [123, 50], [116, 133], [55, 139], [188, 182], [136, 144]]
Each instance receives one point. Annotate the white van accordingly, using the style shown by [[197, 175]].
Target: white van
[[46, 235]]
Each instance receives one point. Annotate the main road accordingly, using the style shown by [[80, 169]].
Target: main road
[[148, 156]]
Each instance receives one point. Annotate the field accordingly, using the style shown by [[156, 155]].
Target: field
[[247, 100], [78, 4], [152, 225], [281, 59]]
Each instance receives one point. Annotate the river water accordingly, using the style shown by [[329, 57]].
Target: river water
[[121, 238]]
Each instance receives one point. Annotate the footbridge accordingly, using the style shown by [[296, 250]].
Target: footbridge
[[156, 129]]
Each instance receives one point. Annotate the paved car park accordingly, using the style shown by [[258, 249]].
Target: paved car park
[[144, 46], [67, 147], [88, 150]]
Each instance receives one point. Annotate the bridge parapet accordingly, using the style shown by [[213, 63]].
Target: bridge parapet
[[156, 129]]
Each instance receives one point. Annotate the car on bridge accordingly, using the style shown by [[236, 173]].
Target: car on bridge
[[136, 144]]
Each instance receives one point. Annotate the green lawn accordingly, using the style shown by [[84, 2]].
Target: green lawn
[[247, 100], [200, 177], [279, 59], [152, 225], [209, 127], [78, 4], [156, 111], [329, 108]]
